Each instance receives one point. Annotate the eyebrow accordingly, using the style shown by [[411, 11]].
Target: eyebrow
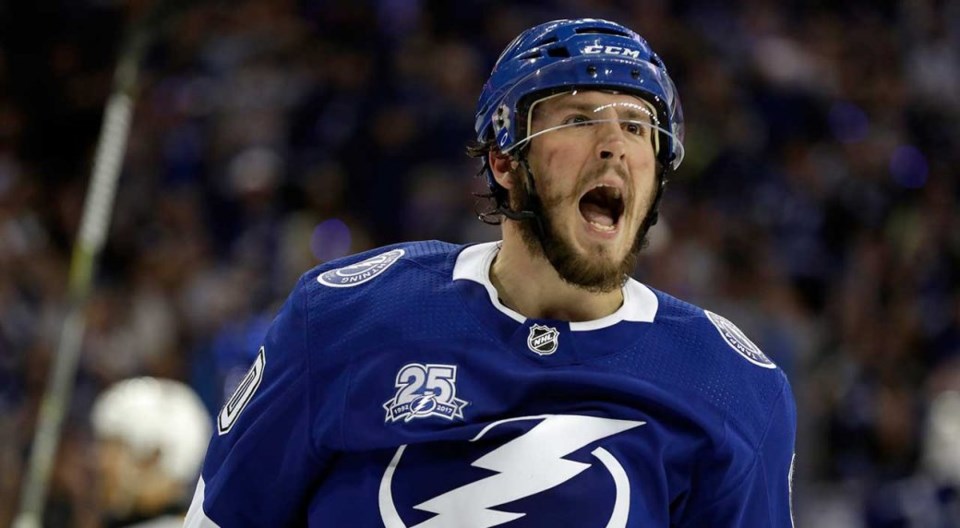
[[576, 105]]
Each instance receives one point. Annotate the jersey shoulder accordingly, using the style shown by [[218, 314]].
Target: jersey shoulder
[[380, 294], [353, 271], [725, 369], [714, 332], [406, 266]]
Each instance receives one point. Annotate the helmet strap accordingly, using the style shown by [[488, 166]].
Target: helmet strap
[[532, 209], [654, 215]]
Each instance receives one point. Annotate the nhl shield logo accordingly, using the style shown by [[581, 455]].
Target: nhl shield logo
[[543, 340]]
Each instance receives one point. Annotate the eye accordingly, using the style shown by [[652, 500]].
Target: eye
[[577, 119], [634, 128]]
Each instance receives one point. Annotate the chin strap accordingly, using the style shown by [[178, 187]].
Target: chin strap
[[533, 208], [654, 214]]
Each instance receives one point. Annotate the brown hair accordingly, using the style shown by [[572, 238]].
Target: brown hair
[[490, 204]]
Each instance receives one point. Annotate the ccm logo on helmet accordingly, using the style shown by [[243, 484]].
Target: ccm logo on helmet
[[612, 50]]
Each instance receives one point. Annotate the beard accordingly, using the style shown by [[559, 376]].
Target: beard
[[589, 272]]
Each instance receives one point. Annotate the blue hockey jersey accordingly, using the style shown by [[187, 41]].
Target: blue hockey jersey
[[394, 389]]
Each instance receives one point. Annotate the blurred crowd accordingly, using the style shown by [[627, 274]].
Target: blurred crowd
[[818, 206]]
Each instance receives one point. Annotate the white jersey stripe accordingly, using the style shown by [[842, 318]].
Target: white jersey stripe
[[196, 517]]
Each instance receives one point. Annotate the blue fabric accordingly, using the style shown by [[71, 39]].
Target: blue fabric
[[409, 399]]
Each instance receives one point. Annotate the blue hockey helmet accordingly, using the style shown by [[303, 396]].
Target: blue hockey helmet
[[566, 55]]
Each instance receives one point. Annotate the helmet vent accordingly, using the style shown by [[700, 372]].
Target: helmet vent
[[600, 31], [558, 51]]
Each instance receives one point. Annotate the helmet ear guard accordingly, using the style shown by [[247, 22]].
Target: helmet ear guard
[[567, 55]]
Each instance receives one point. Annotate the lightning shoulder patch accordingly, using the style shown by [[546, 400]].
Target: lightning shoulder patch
[[738, 341]]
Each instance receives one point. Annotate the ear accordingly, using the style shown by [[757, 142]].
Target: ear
[[502, 165]]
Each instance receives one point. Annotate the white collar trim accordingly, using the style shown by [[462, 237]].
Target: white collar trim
[[640, 304]]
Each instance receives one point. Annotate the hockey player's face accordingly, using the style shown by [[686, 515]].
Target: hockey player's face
[[595, 181], [116, 468]]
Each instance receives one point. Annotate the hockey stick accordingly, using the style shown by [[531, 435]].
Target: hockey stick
[[97, 213]]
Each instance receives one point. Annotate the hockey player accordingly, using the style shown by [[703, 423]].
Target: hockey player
[[525, 383], [151, 435]]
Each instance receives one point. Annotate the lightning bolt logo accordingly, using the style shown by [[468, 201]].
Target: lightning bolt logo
[[527, 465], [423, 406]]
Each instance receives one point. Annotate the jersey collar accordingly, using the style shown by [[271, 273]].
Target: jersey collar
[[473, 263]]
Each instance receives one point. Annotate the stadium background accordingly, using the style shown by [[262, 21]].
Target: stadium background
[[817, 206]]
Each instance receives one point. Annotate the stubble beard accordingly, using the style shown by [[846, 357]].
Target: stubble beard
[[588, 272]]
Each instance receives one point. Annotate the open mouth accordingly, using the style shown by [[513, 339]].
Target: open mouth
[[602, 207]]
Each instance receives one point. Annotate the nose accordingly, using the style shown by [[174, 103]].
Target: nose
[[610, 142]]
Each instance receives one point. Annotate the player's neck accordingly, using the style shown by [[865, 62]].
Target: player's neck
[[531, 286]]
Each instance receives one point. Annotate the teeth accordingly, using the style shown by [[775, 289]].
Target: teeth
[[602, 227], [616, 191]]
